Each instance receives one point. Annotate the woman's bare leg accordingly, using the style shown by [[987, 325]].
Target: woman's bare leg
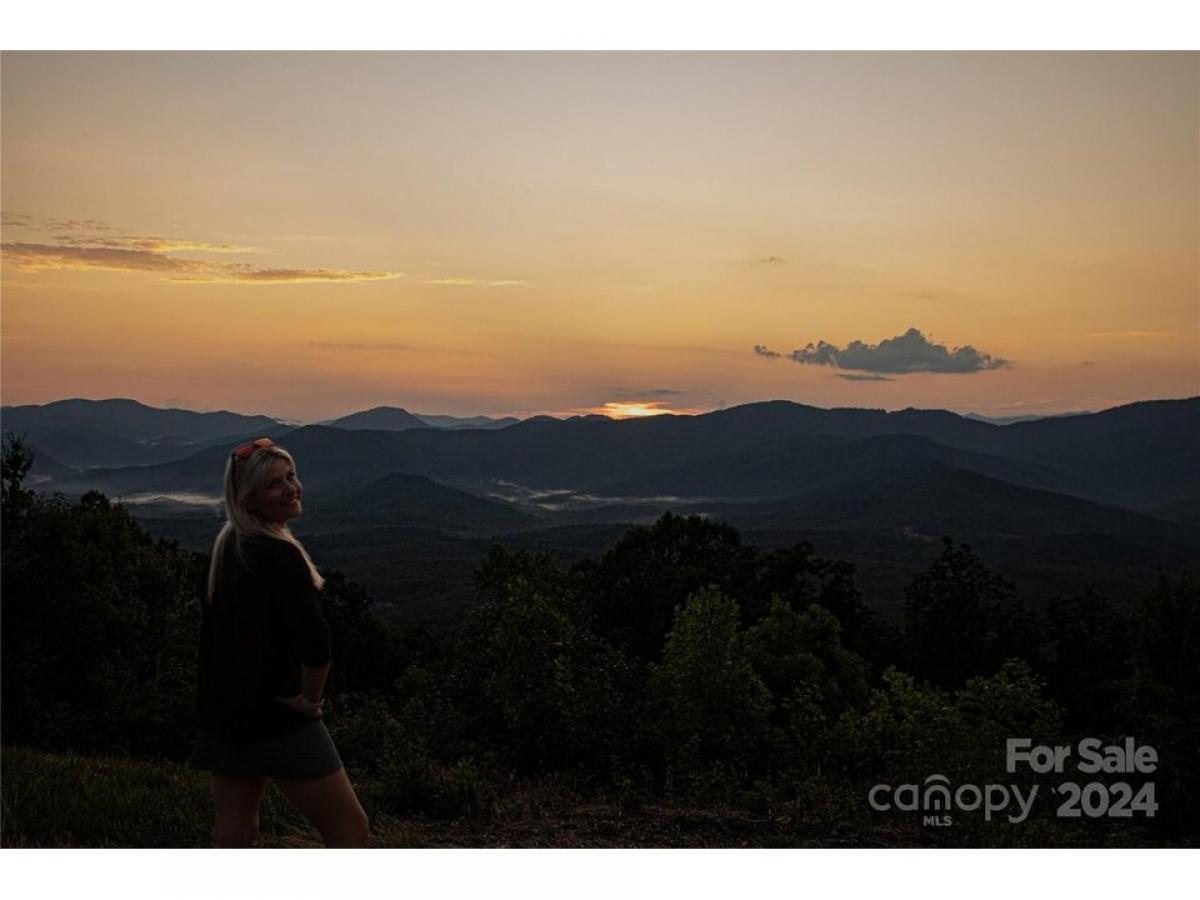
[[332, 806], [237, 801]]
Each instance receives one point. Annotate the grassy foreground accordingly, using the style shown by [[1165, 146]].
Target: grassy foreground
[[67, 800]]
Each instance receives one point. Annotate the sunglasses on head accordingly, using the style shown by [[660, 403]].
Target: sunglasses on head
[[247, 450]]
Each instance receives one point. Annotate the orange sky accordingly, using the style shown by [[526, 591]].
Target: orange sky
[[305, 235]]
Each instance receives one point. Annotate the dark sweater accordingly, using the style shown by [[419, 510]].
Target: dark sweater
[[263, 623]]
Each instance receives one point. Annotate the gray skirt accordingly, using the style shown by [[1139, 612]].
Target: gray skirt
[[299, 755]]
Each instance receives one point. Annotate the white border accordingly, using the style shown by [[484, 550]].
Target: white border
[[629, 25], [597, 874], [596, 25]]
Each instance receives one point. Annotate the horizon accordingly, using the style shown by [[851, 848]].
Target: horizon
[[610, 415], [605, 233]]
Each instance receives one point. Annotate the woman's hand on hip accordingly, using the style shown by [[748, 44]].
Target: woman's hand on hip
[[302, 704]]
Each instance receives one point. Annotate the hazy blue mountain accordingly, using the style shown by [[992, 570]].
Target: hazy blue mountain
[[466, 422], [96, 433], [927, 499], [1012, 420], [1141, 456], [381, 418], [46, 467], [412, 501]]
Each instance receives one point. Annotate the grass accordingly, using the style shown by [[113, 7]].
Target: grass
[[68, 800]]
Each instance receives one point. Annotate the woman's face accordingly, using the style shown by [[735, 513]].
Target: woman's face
[[279, 498]]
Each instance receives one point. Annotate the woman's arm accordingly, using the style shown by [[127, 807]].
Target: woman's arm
[[312, 688], [312, 682], [299, 606]]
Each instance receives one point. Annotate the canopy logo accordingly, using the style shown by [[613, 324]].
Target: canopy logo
[[935, 796], [936, 800]]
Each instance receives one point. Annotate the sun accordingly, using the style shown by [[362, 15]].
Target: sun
[[625, 410]]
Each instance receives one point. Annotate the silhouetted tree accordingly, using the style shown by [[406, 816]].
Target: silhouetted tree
[[16, 459], [1161, 701], [528, 678], [950, 616], [714, 709], [100, 631], [1089, 658], [651, 570]]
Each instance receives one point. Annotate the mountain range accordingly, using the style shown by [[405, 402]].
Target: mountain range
[[1106, 498]]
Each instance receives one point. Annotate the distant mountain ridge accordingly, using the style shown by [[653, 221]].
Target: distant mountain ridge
[[393, 418], [380, 418], [1012, 420], [86, 434], [1142, 456], [1105, 498]]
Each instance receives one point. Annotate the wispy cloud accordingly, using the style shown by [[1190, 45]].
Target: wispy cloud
[[851, 376], [90, 244], [152, 244], [763, 351], [83, 244], [625, 393], [231, 274], [31, 257], [772, 260], [16, 220], [901, 355], [476, 282]]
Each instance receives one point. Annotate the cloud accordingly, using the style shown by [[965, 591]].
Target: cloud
[[854, 377], [772, 260], [763, 351], [470, 282], [152, 244], [901, 355], [16, 220], [624, 393], [80, 225], [245, 275], [93, 244], [33, 257]]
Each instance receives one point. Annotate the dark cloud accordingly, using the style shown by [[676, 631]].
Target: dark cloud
[[904, 354], [763, 351], [853, 377], [624, 393]]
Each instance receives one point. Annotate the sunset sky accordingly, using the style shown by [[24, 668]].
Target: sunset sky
[[309, 234]]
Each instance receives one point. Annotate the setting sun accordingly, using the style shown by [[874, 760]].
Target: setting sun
[[621, 410]]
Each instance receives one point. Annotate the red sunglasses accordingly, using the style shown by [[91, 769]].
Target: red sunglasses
[[247, 450]]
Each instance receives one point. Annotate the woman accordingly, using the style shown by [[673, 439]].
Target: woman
[[264, 657]]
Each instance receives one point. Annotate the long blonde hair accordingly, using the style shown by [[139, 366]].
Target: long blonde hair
[[240, 524]]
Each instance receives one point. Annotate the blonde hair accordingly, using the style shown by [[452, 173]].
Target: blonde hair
[[240, 524]]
